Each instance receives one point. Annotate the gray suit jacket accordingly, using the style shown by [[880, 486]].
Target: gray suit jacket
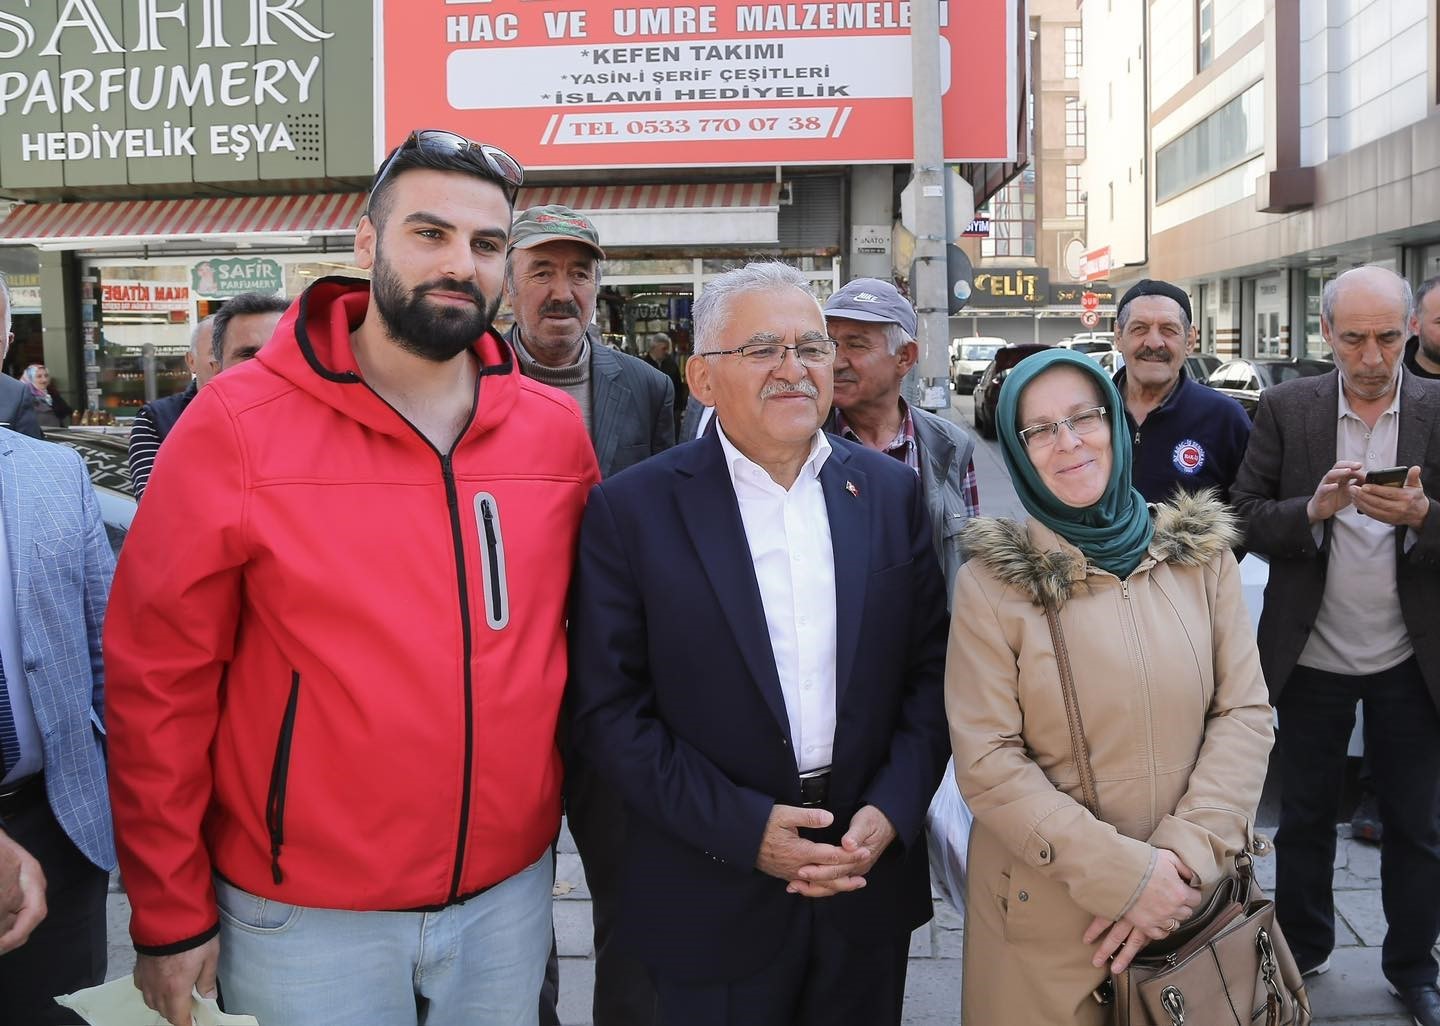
[[690, 419], [61, 564], [632, 409], [17, 409], [945, 452], [1291, 448]]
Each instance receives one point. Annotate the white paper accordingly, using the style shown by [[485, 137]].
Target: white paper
[[120, 1003]]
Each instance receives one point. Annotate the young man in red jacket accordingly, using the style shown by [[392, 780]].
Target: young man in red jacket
[[332, 715]]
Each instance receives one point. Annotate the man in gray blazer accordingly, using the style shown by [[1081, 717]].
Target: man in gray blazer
[[17, 411], [1349, 617], [552, 279], [56, 565], [873, 326]]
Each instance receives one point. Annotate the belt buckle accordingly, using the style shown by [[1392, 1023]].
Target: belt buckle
[[820, 787]]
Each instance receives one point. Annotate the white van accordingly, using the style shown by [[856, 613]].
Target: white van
[[968, 359]]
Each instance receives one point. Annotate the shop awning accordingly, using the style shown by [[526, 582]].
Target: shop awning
[[672, 214], [256, 219], [626, 215]]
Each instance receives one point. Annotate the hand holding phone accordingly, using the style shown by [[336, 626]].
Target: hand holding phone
[[1394, 496]]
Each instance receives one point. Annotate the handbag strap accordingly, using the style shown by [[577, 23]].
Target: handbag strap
[[1079, 748]]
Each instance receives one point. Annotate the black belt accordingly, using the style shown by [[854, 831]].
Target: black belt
[[814, 789], [22, 794]]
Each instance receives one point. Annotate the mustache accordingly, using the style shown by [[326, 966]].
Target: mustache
[[561, 308], [804, 386], [465, 288], [1156, 355]]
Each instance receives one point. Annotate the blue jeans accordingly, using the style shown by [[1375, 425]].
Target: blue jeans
[[477, 962]]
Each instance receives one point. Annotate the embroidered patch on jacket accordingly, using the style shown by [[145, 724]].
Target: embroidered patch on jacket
[[1188, 457]]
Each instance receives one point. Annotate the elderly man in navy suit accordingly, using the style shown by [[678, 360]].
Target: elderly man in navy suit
[[757, 643], [56, 563]]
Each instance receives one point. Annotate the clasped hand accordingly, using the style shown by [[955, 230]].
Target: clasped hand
[[814, 869], [1170, 894]]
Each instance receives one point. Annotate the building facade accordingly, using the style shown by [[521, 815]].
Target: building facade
[[154, 164], [1289, 141], [1030, 237]]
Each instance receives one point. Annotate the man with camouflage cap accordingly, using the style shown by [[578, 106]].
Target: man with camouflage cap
[[552, 280]]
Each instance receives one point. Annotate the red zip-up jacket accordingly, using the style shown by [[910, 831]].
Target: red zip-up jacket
[[335, 655]]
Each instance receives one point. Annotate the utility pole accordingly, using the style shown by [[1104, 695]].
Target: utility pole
[[929, 289]]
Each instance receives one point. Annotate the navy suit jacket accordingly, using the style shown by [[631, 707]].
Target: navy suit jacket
[[675, 698]]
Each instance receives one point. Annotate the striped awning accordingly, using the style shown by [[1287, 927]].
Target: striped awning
[[217, 218], [228, 218], [671, 196]]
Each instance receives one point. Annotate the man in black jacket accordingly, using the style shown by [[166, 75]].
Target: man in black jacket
[[552, 278]]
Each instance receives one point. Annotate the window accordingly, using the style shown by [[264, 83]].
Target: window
[[1204, 34], [1230, 136], [1074, 201], [1074, 122], [1012, 219], [1072, 51]]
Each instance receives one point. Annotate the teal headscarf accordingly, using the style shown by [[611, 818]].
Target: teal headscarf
[[1115, 532]]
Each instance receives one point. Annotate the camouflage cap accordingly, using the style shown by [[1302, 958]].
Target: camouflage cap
[[536, 226]]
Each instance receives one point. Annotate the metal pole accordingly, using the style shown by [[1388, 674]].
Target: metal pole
[[929, 289]]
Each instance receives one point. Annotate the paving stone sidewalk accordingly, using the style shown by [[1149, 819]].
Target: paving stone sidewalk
[[1353, 992]]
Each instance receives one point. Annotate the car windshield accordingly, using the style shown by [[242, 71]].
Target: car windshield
[[1275, 373], [1097, 346], [979, 350]]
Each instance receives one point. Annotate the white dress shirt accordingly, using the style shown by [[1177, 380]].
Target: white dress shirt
[[32, 756], [788, 532]]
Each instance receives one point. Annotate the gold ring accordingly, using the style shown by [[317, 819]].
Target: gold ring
[[1173, 925]]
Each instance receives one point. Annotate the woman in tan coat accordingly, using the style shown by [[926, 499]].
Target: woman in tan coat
[[1170, 693]]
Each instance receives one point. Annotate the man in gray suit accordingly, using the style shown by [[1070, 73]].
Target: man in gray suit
[[874, 331], [552, 279], [1349, 617], [56, 563], [17, 412]]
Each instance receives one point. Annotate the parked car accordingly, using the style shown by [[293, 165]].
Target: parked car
[[1109, 359], [1089, 342], [106, 456], [1245, 379], [987, 389], [1201, 365], [969, 358]]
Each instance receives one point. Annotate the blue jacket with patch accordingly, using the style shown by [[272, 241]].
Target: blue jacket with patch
[[1195, 439]]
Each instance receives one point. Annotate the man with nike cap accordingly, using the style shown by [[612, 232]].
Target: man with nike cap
[[873, 326]]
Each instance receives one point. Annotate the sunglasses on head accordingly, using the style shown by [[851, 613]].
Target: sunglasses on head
[[505, 169]]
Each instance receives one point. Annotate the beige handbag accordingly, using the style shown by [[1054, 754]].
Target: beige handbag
[[1228, 965]]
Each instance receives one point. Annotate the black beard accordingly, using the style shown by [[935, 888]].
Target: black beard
[[436, 333]]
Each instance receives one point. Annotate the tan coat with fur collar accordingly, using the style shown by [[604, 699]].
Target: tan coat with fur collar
[[1179, 727]]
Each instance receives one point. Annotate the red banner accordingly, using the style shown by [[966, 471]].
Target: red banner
[[602, 84]]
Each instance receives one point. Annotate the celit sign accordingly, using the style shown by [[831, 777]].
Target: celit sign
[[221, 278], [96, 92], [611, 83], [1011, 287]]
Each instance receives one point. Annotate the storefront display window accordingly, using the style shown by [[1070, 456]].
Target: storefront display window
[[1315, 281]]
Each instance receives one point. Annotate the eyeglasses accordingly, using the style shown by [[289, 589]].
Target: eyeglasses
[[819, 353], [506, 170], [1042, 436]]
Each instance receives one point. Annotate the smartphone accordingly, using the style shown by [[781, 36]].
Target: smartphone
[[1392, 477]]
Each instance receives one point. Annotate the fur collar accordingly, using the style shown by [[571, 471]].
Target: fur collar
[[1190, 530]]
